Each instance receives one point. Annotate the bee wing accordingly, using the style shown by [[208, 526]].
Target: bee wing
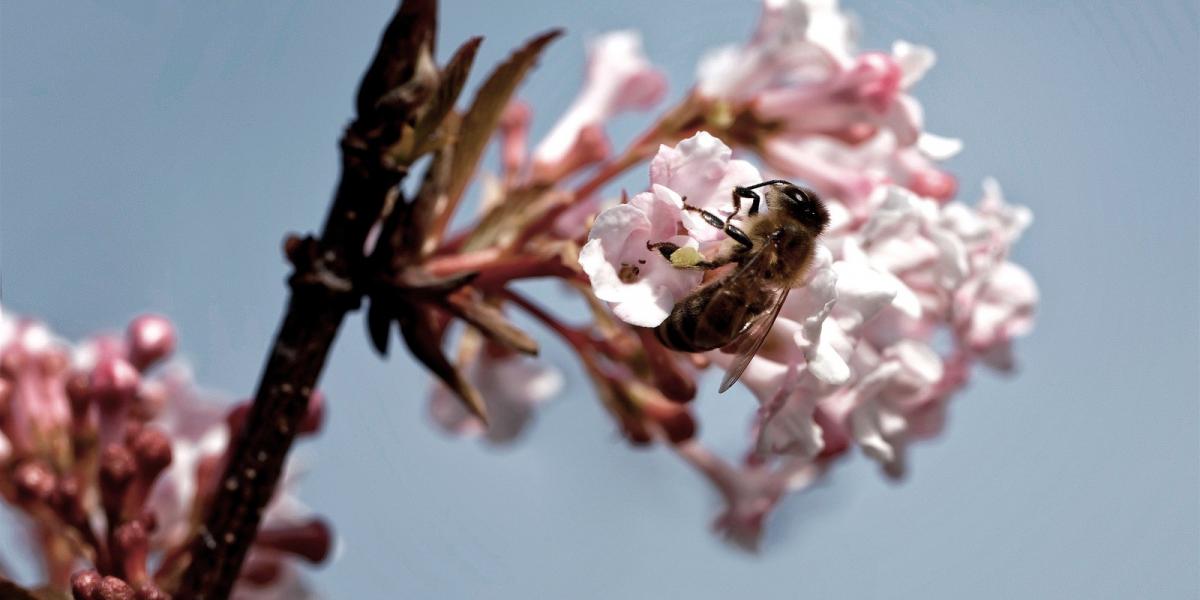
[[755, 333]]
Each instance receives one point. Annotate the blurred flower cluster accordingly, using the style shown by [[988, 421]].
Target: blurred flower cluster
[[110, 451], [908, 290]]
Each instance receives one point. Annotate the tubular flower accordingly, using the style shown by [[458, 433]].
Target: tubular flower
[[512, 387], [618, 79]]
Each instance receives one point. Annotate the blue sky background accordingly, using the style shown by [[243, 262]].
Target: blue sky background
[[153, 154]]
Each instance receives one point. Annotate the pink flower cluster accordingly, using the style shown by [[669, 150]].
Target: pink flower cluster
[[111, 453], [852, 359], [908, 288]]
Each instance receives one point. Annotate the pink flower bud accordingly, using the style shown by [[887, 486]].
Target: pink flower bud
[[150, 338], [259, 571], [117, 471], [514, 136], [619, 78], [314, 415], [113, 384], [112, 588], [130, 548], [35, 482], [933, 183], [589, 147], [148, 591], [152, 450], [85, 585], [877, 79], [312, 540]]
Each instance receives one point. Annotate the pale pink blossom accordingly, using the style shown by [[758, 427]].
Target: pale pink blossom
[[640, 284], [749, 493], [703, 172], [618, 79], [33, 365], [808, 355], [906, 237], [801, 71], [194, 419], [850, 173], [797, 41], [870, 94], [993, 309], [512, 388]]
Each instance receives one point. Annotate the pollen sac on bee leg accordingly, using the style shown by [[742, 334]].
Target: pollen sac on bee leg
[[686, 257]]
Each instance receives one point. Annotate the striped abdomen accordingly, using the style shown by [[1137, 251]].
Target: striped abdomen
[[709, 318]]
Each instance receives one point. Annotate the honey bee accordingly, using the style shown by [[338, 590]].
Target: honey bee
[[772, 250]]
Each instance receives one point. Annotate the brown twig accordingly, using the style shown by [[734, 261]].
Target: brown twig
[[324, 287]]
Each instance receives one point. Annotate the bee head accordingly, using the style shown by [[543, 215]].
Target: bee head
[[804, 205]]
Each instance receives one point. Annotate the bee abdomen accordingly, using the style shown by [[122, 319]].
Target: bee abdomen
[[674, 333], [703, 321]]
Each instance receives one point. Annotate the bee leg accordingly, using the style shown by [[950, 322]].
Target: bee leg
[[708, 217], [668, 248], [730, 229], [740, 192], [738, 235], [664, 248]]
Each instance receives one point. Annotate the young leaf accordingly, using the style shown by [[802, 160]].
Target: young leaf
[[484, 114], [490, 322], [379, 326], [453, 77], [417, 327]]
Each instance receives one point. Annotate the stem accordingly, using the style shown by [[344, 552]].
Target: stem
[[577, 339], [675, 123], [324, 288], [298, 355]]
